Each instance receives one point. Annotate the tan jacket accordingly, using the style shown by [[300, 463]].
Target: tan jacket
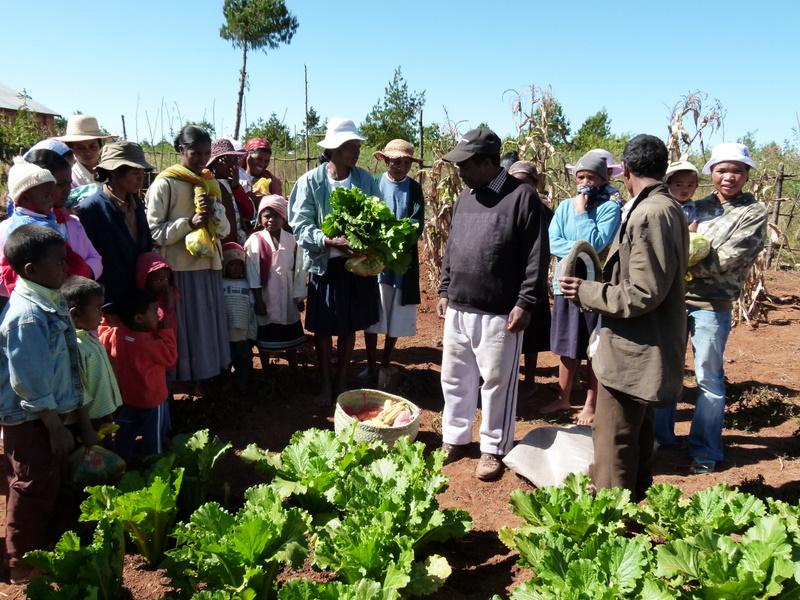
[[170, 206], [641, 338]]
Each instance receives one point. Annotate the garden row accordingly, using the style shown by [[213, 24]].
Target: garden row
[[361, 514], [718, 544]]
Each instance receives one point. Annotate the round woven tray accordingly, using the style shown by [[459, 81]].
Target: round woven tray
[[365, 266], [358, 399]]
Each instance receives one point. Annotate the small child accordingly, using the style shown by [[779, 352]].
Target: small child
[[40, 394], [141, 348], [84, 298], [277, 280], [239, 307], [154, 274], [682, 180]]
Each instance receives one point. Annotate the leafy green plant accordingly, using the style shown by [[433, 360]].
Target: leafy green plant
[[198, 455], [366, 589], [571, 510], [667, 516], [88, 572], [147, 514], [371, 227], [390, 512], [239, 555], [309, 467]]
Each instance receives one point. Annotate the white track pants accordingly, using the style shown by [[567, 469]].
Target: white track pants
[[475, 346]]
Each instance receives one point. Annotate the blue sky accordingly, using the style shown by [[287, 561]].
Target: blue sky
[[635, 58]]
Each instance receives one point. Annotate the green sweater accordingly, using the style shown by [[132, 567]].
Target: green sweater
[[736, 230], [101, 393]]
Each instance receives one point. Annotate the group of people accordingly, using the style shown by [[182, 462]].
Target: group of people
[[109, 298], [631, 324]]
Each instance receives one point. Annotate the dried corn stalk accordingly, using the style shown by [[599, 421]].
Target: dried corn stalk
[[749, 307], [688, 122], [441, 185]]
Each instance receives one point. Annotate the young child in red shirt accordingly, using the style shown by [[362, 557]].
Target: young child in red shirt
[[141, 349]]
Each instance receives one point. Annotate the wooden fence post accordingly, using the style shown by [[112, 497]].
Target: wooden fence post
[[776, 212]]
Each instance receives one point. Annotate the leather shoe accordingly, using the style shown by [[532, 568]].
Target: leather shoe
[[489, 468], [454, 452]]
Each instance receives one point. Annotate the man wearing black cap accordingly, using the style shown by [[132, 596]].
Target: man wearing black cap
[[494, 272]]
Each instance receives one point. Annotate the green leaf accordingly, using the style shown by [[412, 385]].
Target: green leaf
[[429, 576]]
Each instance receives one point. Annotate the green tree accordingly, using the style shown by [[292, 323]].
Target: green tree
[[312, 121], [255, 25], [558, 128], [273, 129], [593, 132], [395, 115], [20, 132], [203, 124]]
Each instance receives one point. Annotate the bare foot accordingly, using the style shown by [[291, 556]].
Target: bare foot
[[555, 406], [586, 416]]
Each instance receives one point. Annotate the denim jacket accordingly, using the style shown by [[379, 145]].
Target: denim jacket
[[309, 204], [40, 369]]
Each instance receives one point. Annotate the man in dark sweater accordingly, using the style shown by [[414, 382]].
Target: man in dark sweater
[[494, 273]]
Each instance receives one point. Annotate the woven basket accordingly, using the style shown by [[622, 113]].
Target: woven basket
[[358, 399]]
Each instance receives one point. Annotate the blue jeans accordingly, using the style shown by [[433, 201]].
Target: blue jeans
[[709, 332], [134, 422]]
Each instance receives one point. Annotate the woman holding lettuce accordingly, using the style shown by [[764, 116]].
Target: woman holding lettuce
[[339, 302]]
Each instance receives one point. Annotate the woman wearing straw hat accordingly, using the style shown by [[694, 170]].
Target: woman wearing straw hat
[[339, 303], [85, 138], [114, 216], [399, 293], [203, 348], [735, 224]]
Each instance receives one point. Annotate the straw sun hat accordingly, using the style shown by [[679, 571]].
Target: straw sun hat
[[81, 128]]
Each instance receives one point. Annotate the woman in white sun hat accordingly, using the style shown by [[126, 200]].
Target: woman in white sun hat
[[85, 138], [339, 302], [735, 224]]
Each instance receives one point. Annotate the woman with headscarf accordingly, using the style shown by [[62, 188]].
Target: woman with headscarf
[[85, 138], [114, 216], [735, 224], [339, 302], [203, 350], [594, 217], [259, 153]]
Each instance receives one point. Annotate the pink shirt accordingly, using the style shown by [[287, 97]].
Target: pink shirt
[[283, 289]]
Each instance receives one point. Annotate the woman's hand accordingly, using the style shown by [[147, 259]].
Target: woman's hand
[[207, 204], [580, 203], [199, 220], [339, 243], [441, 307], [693, 227]]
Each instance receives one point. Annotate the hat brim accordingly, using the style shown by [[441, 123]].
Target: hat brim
[[745, 160], [616, 170], [236, 153], [82, 138], [457, 155], [115, 163], [384, 155], [335, 141], [583, 262]]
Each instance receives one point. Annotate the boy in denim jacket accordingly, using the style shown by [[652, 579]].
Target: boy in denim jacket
[[40, 394]]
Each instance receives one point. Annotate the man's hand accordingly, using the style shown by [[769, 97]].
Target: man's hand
[[441, 307], [569, 286], [518, 319]]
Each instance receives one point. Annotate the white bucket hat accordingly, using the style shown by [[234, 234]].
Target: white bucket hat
[[616, 168], [681, 165], [81, 128], [338, 132], [729, 152]]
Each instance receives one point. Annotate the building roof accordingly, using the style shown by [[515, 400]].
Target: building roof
[[11, 99]]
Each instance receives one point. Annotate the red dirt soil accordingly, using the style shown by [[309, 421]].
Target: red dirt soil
[[765, 461]]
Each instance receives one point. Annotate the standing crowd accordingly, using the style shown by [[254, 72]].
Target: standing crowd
[[108, 299]]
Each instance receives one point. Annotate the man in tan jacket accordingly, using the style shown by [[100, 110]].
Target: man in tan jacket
[[639, 347]]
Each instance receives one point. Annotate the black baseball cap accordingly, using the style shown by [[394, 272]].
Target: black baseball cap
[[475, 141]]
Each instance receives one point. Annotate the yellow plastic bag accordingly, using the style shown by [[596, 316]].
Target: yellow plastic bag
[[202, 242], [261, 186], [699, 247]]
